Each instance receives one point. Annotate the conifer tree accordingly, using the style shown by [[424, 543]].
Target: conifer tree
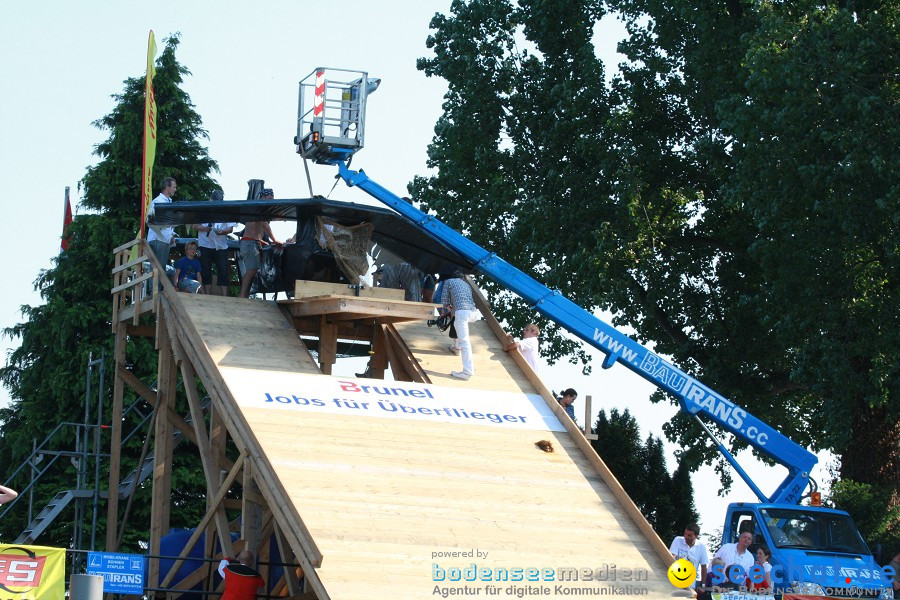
[[45, 375], [666, 501]]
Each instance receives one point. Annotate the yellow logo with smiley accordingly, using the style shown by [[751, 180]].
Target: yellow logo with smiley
[[682, 573]]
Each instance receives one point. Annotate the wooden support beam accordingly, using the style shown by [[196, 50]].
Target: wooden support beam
[[141, 330], [379, 361], [398, 367], [115, 443], [251, 507], [404, 355], [308, 289], [140, 388], [360, 330], [327, 344], [588, 419], [210, 467], [162, 468], [287, 556], [116, 298], [198, 531], [369, 307]]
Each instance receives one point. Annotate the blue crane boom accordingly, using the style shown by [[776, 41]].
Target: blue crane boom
[[693, 396]]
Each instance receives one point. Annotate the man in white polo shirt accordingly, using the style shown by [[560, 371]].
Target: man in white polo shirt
[[161, 239], [737, 554], [689, 548]]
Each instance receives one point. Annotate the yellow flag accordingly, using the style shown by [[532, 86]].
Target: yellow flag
[[32, 572], [149, 134]]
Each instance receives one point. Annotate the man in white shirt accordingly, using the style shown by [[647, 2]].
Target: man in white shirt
[[161, 239], [457, 297], [737, 554], [693, 551]]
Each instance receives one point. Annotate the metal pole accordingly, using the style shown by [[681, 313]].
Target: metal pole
[[85, 587], [82, 450], [97, 451], [32, 466]]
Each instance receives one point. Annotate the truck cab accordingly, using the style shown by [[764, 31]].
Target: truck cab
[[815, 550]]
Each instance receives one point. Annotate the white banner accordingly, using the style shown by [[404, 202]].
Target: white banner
[[279, 390]]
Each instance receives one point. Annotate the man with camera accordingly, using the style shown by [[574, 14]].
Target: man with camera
[[457, 298]]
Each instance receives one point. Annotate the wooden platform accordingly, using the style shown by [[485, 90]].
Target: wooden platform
[[374, 498]]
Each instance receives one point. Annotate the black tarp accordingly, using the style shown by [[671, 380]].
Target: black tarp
[[392, 231]]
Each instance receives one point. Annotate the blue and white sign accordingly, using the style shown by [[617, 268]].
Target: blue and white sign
[[279, 390], [122, 573]]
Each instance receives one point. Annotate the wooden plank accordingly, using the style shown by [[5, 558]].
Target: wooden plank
[[126, 313], [290, 576], [327, 344], [306, 289], [140, 330], [141, 389], [131, 283], [404, 355], [398, 367], [251, 508], [373, 307], [588, 419], [117, 299], [362, 330], [379, 358], [126, 245], [210, 468], [162, 473], [198, 531], [127, 265]]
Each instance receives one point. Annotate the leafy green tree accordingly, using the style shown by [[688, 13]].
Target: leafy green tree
[[730, 194], [46, 373], [666, 501]]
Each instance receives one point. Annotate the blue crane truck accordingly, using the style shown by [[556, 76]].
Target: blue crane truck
[[815, 550]]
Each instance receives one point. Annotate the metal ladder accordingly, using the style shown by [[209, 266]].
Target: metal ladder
[[126, 487]]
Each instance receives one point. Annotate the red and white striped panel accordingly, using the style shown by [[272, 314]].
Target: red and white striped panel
[[319, 103]]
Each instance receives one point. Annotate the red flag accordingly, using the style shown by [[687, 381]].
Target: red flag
[[67, 218]]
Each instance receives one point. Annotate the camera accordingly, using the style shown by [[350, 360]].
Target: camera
[[442, 322]]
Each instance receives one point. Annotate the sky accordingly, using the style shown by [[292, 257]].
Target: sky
[[62, 62]]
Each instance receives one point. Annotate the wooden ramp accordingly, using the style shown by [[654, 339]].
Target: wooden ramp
[[375, 500], [494, 368]]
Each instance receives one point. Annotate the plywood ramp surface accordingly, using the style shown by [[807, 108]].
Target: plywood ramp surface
[[494, 369], [239, 332], [382, 497]]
